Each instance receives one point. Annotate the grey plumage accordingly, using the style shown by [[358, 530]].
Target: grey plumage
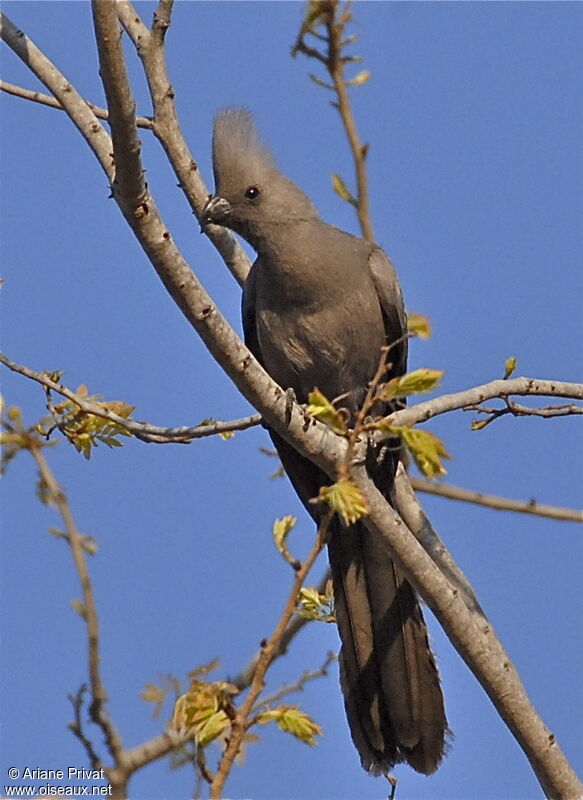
[[318, 306]]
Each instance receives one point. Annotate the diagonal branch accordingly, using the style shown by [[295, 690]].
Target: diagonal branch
[[129, 182], [269, 651], [467, 630], [73, 104], [166, 126], [494, 501], [335, 64], [75, 540], [297, 686], [475, 640]]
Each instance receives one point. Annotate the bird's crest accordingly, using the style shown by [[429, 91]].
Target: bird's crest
[[236, 141]]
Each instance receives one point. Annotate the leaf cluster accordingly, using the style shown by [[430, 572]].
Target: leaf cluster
[[316, 606], [85, 430], [205, 711], [291, 719]]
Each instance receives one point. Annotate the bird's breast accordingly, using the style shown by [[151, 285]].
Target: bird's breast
[[334, 347]]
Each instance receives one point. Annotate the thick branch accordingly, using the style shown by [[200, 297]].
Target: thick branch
[[476, 641], [494, 501], [472, 636], [409, 509], [129, 179], [166, 126]]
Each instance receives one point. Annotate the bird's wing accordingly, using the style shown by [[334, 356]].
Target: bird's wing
[[388, 289], [248, 315]]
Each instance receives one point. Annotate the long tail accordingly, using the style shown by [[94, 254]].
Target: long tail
[[388, 674]]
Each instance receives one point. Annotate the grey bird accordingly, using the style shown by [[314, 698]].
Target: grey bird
[[318, 306]]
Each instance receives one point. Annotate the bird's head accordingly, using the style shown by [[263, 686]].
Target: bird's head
[[251, 195]]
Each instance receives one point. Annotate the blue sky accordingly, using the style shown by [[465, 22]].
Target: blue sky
[[474, 118]]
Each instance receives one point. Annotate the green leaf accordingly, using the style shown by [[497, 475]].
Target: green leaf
[[85, 430], [316, 606], [201, 712], [419, 325], [322, 409], [346, 499], [281, 528], [509, 366], [204, 669], [426, 448], [416, 382], [362, 77], [78, 606], [155, 695], [90, 545], [340, 188], [291, 719]]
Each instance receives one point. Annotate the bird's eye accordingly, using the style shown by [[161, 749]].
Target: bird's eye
[[252, 193]]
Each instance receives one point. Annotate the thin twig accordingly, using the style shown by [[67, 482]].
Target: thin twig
[[243, 679], [519, 410], [478, 394], [141, 430], [494, 501], [269, 651], [51, 102], [73, 104], [335, 17], [97, 708], [335, 64], [77, 728], [298, 686]]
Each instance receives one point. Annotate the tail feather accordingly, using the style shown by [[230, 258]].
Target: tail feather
[[388, 675]]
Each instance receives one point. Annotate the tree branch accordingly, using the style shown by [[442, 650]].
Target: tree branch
[[503, 388], [269, 651], [335, 64], [243, 680], [75, 540], [298, 686], [166, 126], [474, 638], [335, 18], [494, 501], [129, 183], [47, 100], [73, 104], [141, 430], [77, 728], [409, 509]]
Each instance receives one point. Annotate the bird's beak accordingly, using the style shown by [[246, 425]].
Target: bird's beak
[[216, 211]]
